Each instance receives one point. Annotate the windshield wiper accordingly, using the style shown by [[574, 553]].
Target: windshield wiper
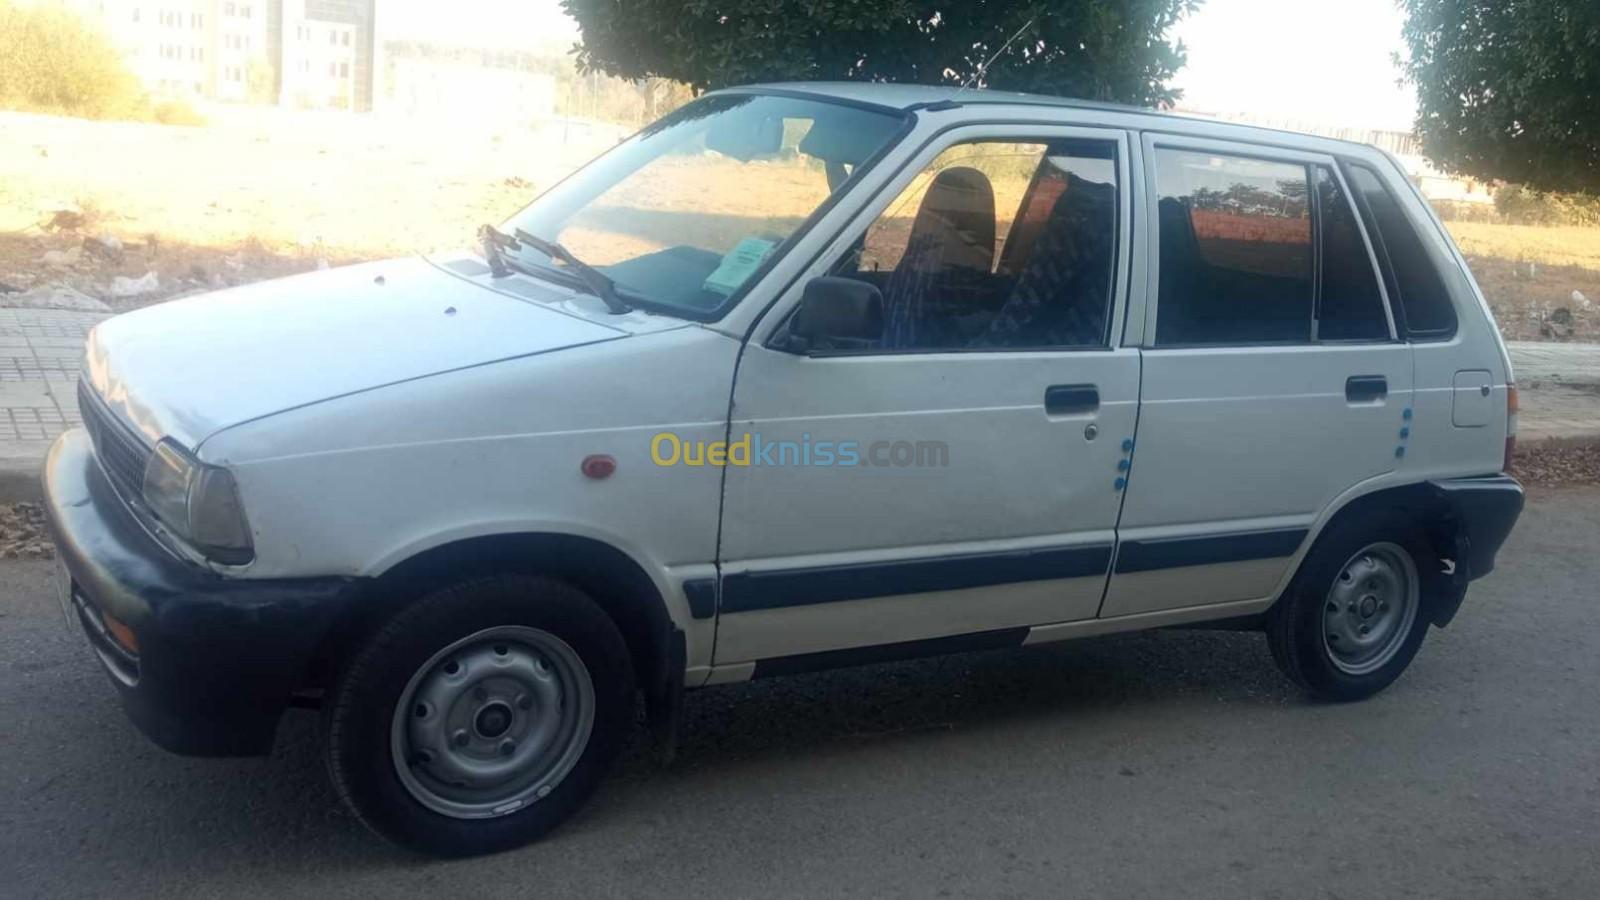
[[597, 281], [493, 241]]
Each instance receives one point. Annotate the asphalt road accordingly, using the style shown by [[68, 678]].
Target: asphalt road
[[1168, 764]]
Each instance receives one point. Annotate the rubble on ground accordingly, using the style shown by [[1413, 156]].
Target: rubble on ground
[[105, 246], [65, 219], [23, 532], [70, 261], [53, 296], [61, 259], [1555, 465], [123, 286]]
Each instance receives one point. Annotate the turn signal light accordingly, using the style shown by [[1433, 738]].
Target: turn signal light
[[120, 633], [598, 466]]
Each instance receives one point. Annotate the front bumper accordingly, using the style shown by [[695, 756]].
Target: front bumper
[[217, 658]]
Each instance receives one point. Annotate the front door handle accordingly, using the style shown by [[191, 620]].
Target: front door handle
[[1071, 399], [1366, 388]]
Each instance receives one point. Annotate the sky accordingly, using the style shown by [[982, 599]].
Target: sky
[[493, 24], [1323, 61], [1326, 62]]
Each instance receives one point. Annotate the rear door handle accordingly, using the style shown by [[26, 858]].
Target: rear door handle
[[1365, 388], [1071, 399]]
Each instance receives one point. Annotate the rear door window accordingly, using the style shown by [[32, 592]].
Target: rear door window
[[1236, 259]]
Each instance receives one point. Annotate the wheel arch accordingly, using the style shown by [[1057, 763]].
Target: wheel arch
[[1424, 503], [610, 576]]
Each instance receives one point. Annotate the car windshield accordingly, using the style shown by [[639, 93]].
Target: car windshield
[[683, 214]]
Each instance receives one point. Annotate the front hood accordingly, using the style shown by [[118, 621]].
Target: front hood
[[189, 368]]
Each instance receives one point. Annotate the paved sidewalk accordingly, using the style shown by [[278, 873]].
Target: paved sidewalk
[[41, 351], [1547, 361], [1558, 386]]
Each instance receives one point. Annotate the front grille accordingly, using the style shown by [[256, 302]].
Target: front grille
[[122, 453]]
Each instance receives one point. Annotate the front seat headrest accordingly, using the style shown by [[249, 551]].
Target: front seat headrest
[[955, 225]]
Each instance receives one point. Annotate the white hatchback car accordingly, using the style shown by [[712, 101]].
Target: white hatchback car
[[800, 376]]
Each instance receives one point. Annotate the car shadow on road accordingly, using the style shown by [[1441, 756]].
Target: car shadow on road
[[268, 815], [1068, 684]]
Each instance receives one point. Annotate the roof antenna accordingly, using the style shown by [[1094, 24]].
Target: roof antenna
[[986, 63]]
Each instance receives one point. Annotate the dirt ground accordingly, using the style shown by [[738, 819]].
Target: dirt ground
[[261, 192], [1533, 301]]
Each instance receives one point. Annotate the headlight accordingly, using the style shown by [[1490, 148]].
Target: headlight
[[199, 503]]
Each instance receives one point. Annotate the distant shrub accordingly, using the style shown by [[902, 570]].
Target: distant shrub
[[1520, 206], [177, 112], [55, 62], [1465, 211]]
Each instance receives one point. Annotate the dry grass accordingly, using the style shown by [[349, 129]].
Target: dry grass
[[1565, 245], [1529, 274], [261, 192], [317, 183]]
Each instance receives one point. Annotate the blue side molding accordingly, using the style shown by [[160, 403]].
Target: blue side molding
[[1207, 550], [749, 591]]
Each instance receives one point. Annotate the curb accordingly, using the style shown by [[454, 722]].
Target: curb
[[19, 486], [20, 466]]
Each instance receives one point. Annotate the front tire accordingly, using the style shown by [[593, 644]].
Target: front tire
[[1357, 612], [481, 716]]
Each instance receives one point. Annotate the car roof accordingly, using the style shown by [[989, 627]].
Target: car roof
[[909, 97]]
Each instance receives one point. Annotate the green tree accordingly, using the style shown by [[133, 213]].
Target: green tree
[[1118, 50], [1509, 90], [261, 80]]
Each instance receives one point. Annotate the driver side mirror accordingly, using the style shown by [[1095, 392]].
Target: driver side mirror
[[838, 313]]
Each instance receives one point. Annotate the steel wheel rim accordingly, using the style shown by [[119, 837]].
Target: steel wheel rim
[[492, 722], [1370, 609]]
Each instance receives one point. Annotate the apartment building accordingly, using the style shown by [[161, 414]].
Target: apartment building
[[183, 48], [314, 54], [324, 53]]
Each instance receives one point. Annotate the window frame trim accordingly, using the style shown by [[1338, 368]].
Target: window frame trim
[[1367, 241], [1386, 270], [1154, 141], [867, 214]]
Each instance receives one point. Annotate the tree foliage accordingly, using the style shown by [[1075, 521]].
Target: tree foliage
[[52, 61], [1509, 90], [1521, 206], [1117, 50]]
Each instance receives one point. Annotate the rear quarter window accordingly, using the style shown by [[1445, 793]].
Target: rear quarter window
[[1423, 308]]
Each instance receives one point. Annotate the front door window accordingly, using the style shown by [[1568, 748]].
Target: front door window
[[997, 246]]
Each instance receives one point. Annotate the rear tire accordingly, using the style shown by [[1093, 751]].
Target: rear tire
[[481, 716], [1357, 611]]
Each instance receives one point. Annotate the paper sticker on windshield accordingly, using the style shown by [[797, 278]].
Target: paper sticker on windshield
[[737, 266]]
